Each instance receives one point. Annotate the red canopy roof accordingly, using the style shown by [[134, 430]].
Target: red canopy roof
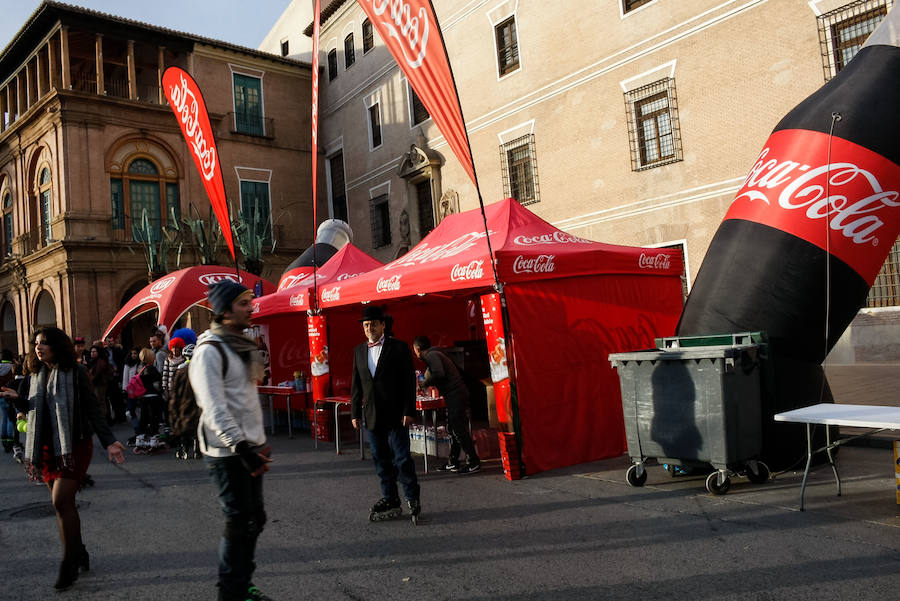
[[349, 262], [454, 256], [172, 295]]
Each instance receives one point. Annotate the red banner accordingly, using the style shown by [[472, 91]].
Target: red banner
[[315, 126], [187, 103], [496, 344], [410, 31], [318, 356]]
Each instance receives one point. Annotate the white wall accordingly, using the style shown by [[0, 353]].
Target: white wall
[[290, 26]]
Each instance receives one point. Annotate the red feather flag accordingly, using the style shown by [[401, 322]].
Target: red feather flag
[[410, 31], [187, 103]]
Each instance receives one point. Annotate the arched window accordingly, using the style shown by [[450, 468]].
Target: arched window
[[7, 206], [8, 330], [44, 187], [144, 197], [45, 310]]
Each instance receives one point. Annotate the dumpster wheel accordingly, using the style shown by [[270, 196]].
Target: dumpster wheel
[[633, 479], [713, 486], [762, 474]]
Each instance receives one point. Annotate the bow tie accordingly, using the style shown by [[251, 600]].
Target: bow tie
[[371, 344]]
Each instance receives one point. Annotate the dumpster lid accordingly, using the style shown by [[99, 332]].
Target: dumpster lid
[[723, 351]]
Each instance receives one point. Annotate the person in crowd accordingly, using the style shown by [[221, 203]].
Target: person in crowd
[[81, 355], [116, 358], [442, 373], [101, 375], [7, 415], [175, 358], [157, 345], [151, 404], [62, 416], [232, 438], [130, 367], [383, 397]]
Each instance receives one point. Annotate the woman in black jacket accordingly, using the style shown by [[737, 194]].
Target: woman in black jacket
[[151, 403], [62, 415]]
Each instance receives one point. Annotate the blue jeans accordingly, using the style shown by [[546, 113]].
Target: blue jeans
[[390, 452], [240, 497], [7, 426]]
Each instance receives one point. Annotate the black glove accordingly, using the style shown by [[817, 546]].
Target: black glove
[[251, 459]]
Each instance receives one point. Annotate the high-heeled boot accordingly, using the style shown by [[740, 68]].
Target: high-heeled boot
[[68, 574], [84, 560]]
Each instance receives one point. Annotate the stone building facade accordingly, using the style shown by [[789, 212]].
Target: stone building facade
[[90, 153], [626, 121]]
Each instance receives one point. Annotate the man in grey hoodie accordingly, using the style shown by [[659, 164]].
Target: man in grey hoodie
[[223, 373]]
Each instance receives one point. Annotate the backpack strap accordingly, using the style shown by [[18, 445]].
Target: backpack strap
[[218, 345]]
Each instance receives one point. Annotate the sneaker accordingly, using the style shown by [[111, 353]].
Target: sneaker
[[142, 441], [254, 594], [415, 508], [469, 469], [18, 453], [155, 441], [448, 467]]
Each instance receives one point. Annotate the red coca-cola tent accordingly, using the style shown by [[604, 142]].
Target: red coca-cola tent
[[347, 263], [280, 317], [175, 293], [571, 302]]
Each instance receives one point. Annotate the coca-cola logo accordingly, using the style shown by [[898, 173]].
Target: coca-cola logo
[[423, 253], [412, 37], [347, 276], [185, 102], [160, 285], [290, 281], [211, 278], [846, 195], [472, 271], [292, 353], [538, 264], [554, 238], [658, 261], [329, 295], [296, 300], [388, 284]]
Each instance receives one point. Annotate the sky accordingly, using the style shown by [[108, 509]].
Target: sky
[[241, 22]]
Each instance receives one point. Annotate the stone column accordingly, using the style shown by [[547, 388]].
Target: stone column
[[132, 75], [161, 68], [101, 86], [29, 84], [21, 104], [66, 73], [40, 74], [52, 65], [4, 107]]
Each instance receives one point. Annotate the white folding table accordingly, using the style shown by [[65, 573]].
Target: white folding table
[[877, 417]]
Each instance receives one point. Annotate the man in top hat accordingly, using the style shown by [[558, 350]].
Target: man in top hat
[[223, 373], [383, 400]]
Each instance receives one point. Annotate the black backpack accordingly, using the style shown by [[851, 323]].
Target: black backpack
[[183, 410]]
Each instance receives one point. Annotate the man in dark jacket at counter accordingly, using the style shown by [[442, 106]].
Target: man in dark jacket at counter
[[383, 400], [443, 374]]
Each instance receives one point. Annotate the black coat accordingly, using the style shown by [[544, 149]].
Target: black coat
[[391, 394]]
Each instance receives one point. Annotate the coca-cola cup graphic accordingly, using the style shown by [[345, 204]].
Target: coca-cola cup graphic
[[496, 343], [811, 226], [318, 356]]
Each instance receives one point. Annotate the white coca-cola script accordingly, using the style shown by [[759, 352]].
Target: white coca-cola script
[[185, 103], [347, 276], [296, 300], [472, 271], [658, 261], [388, 284], [425, 254], [538, 264], [329, 295], [554, 238], [854, 195], [412, 36]]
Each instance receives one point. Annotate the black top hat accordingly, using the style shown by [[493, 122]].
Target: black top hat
[[373, 313]]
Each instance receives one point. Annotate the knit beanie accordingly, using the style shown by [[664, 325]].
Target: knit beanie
[[222, 294]]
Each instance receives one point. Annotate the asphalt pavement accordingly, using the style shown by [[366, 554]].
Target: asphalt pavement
[[152, 526]]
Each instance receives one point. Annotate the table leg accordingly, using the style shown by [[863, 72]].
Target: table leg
[[425, 439], [315, 425], [272, 413], [287, 401], [809, 454], [828, 448], [337, 431]]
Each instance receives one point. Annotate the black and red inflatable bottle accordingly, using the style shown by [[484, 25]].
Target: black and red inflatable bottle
[[812, 224]]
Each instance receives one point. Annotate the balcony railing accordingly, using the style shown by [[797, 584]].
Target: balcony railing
[[262, 127]]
